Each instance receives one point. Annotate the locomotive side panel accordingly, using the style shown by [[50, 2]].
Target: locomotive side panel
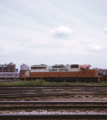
[[59, 72], [53, 74]]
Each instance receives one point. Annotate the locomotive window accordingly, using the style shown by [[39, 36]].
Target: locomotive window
[[74, 66], [38, 67], [60, 69], [57, 66], [84, 68], [54, 69]]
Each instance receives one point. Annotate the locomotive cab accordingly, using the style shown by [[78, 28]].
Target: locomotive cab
[[88, 74]]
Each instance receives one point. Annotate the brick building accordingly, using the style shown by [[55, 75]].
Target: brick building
[[7, 67]]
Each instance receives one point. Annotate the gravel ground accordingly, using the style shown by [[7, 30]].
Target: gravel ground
[[54, 112], [59, 98], [78, 98]]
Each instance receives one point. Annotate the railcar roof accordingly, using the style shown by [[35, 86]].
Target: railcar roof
[[85, 66]]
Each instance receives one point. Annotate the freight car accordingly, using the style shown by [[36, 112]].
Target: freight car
[[71, 73]]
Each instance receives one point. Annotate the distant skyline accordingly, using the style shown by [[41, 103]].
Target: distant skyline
[[53, 32]]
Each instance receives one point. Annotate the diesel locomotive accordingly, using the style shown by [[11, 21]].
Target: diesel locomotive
[[71, 73]]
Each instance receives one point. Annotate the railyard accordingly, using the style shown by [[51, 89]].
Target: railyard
[[53, 60], [56, 93], [53, 102]]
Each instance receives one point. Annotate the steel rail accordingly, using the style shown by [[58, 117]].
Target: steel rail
[[51, 90], [54, 116], [14, 92], [29, 90], [46, 94], [53, 102], [53, 86], [53, 107]]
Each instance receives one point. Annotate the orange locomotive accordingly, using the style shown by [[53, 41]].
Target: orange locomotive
[[72, 73]]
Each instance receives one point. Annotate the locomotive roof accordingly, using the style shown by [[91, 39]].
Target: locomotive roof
[[85, 66]]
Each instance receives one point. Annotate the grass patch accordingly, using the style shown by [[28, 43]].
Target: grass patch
[[24, 83], [40, 82]]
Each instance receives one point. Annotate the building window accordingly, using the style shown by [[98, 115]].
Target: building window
[[5, 69], [11, 69]]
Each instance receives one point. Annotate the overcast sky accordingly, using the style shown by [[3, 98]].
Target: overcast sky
[[53, 32]]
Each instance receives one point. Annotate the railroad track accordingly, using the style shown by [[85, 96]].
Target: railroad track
[[53, 86], [18, 89], [22, 95], [6, 89], [39, 89], [16, 107], [54, 117], [7, 105], [8, 92]]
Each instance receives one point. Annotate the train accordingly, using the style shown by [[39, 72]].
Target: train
[[69, 73], [57, 73]]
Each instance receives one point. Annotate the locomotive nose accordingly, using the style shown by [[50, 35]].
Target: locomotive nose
[[27, 74]]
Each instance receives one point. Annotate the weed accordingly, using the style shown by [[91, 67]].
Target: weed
[[42, 82]]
